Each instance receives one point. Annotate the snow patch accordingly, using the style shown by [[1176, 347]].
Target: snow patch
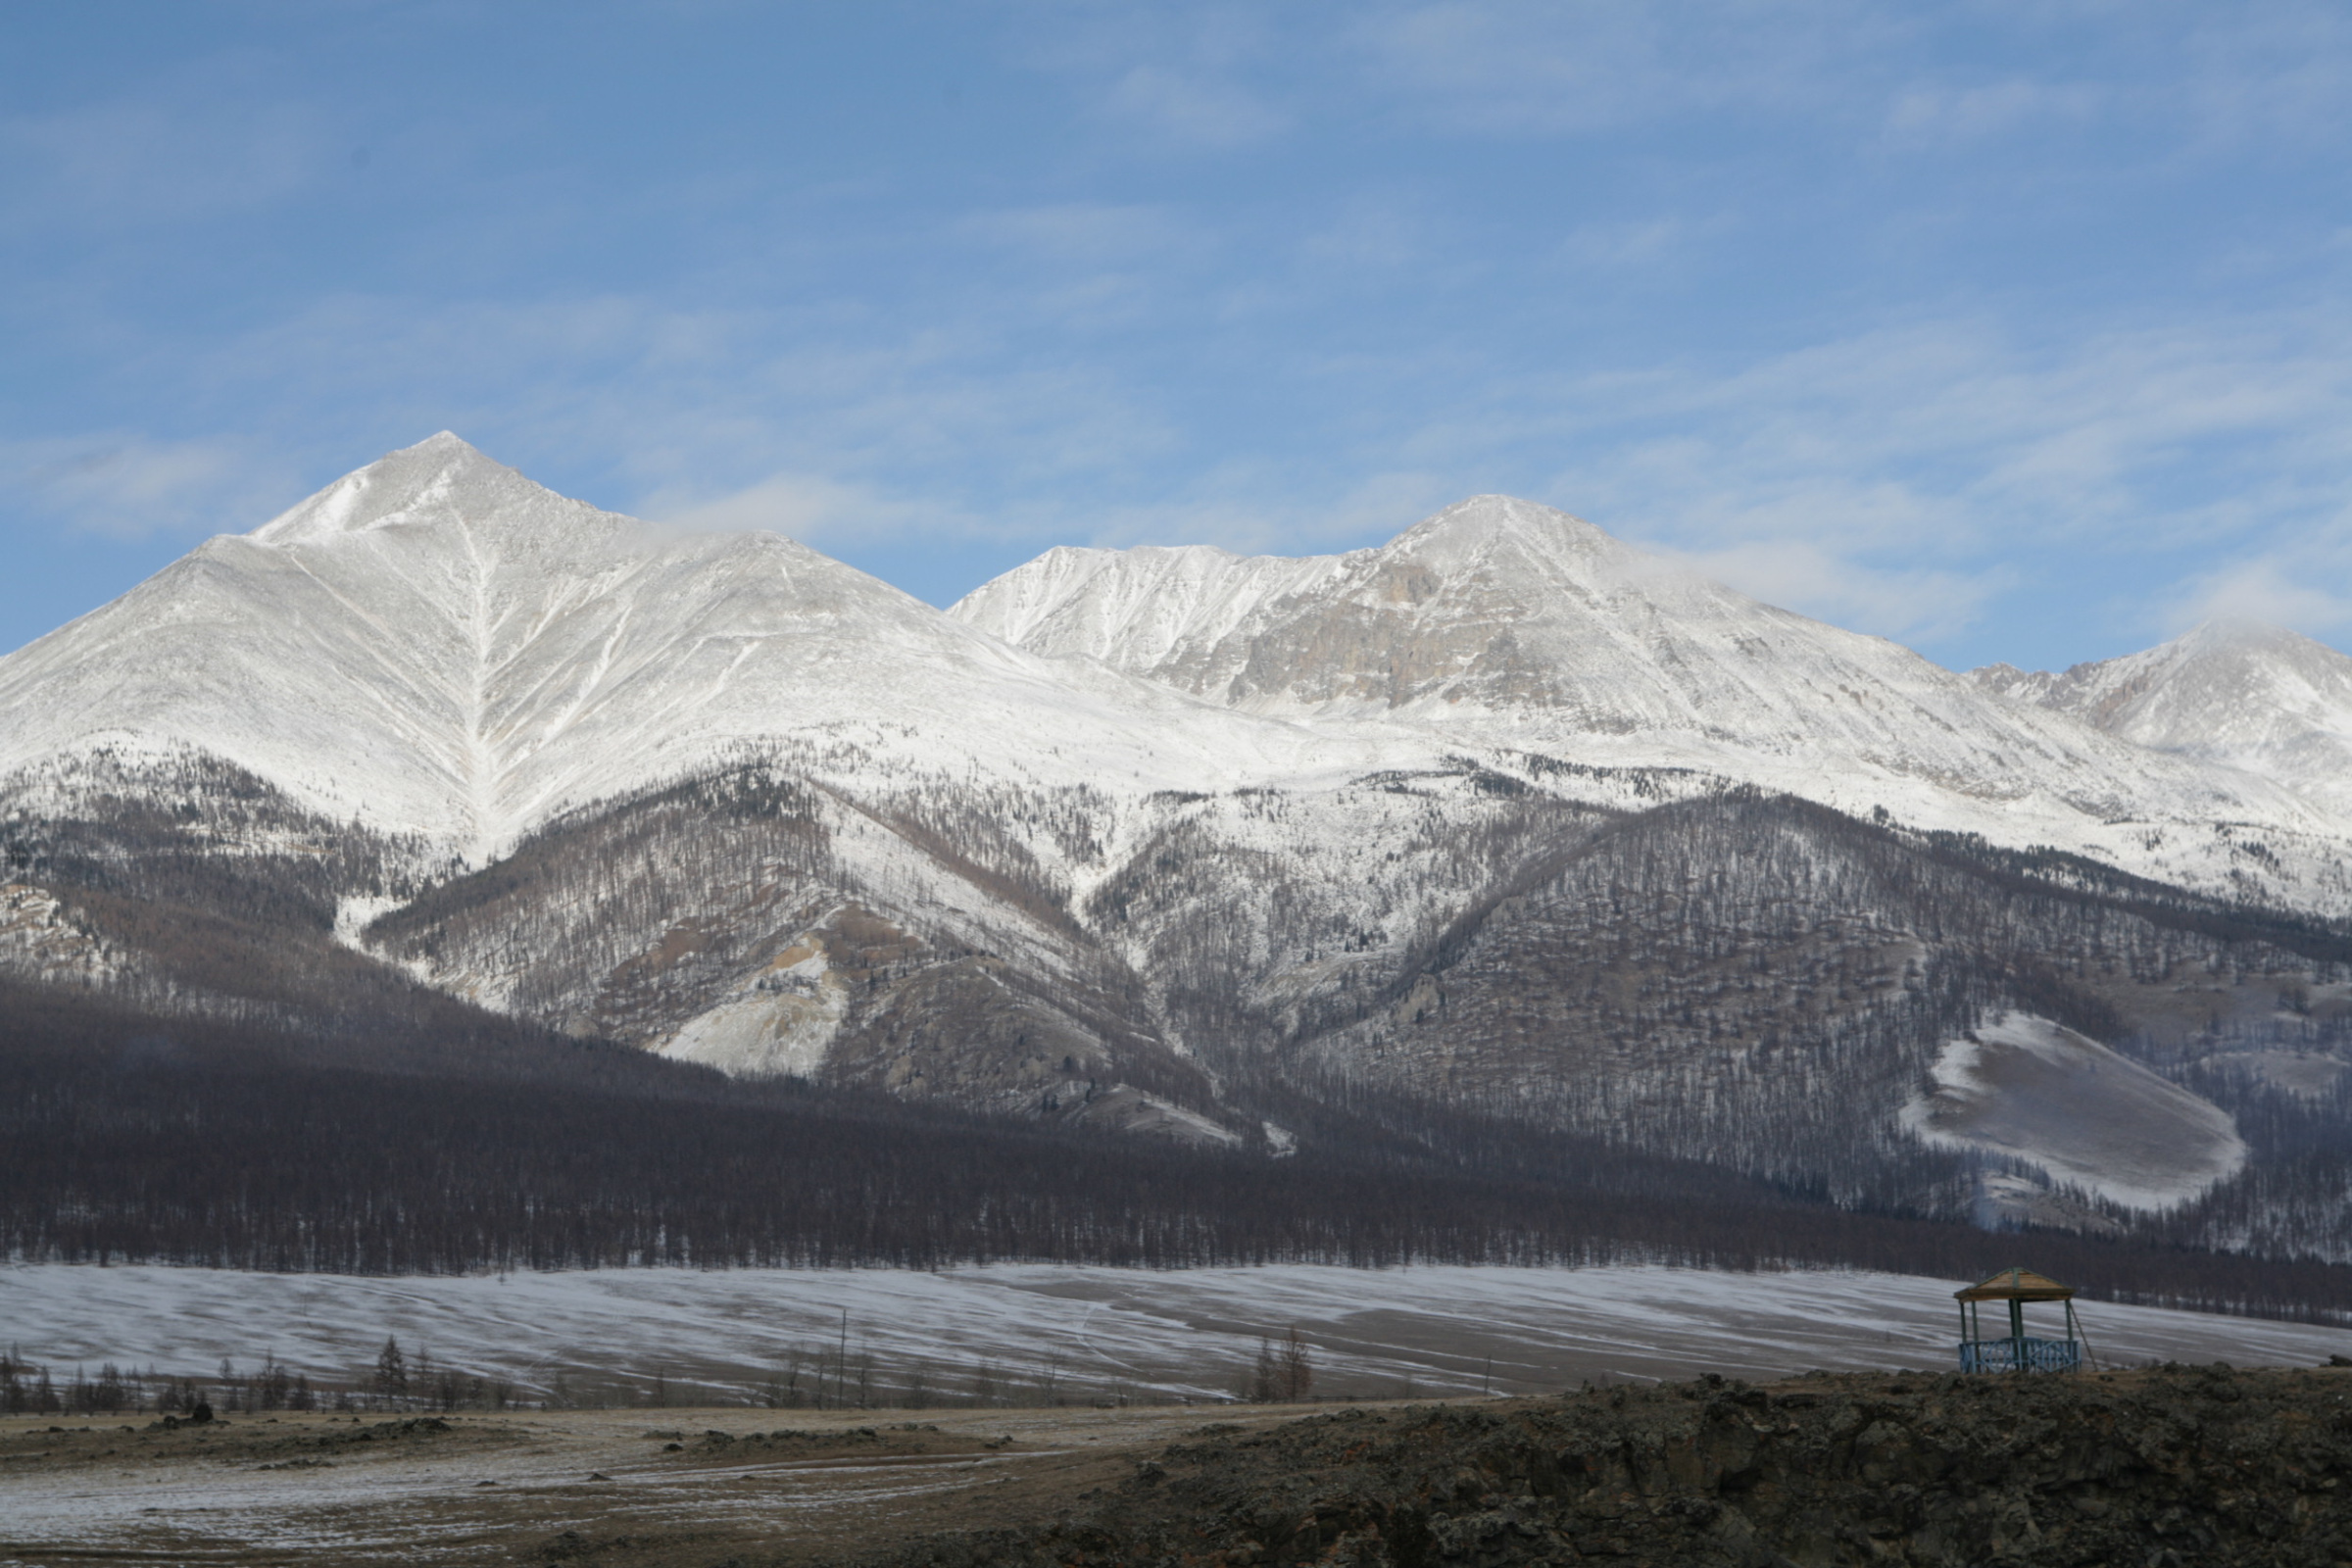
[[1125, 1109], [781, 1025], [2029, 1088], [40, 941], [355, 913]]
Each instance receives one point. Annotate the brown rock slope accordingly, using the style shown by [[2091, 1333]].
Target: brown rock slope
[[2182, 1466]]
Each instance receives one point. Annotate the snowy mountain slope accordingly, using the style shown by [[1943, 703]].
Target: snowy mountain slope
[[436, 644], [2259, 698], [453, 656], [1501, 624], [762, 924], [1464, 821], [1172, 614]]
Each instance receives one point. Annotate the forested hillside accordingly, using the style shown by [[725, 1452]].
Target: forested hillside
[[130, 1139]]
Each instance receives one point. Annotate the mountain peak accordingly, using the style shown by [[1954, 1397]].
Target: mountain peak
[[2240, 635], [2233, 641], [1474, 526], [2243, 692], [441, 478]]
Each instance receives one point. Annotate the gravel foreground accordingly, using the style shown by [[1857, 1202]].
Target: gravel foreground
[[2166, 1468]]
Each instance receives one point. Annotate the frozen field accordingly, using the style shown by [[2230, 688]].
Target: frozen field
[[1095, 1333]]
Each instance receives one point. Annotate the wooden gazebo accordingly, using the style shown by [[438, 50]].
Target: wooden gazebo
[[2015, 1350]]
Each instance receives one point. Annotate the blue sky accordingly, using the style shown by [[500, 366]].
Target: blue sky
[[2012, 331]]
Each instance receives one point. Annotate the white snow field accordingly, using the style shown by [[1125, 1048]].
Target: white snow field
[[2026, 1087], [719, 1336]]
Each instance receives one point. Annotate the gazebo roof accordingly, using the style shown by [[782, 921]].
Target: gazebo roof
[[2017, 1284]]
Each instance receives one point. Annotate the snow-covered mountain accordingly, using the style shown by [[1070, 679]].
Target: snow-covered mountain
[[2259, 698], [1499, 623], [436, 645], [1502, 814]]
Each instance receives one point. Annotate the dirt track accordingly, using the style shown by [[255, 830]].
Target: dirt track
[[613, 1489]]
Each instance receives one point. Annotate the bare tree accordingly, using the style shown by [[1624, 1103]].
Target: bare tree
[[1296, 1369], [1265, 1378]]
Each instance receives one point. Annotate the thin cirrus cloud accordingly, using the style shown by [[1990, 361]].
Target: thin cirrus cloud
[[1905, 481], [123, 487], [814, 509], [1513, 67], [1087, 235], [2305, 589], [2138, 430], [1909, 605], [1939, 114], [129, 164], [1205, 79], [1191, 108]]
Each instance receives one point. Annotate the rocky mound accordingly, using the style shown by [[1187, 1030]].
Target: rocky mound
[[2179, 1466]]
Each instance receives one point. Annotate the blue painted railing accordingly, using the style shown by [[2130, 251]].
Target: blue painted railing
[[2021, 1356]]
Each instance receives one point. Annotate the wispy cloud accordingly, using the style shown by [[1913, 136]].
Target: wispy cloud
[[1938, 114], [2161, 421], [1083, 233], [1875, 312], [2305, 583], [1631, 242], [126, 486], [812, 508], [1523, 67], [1904, 480], [1192, 108], [1907, 603], [127, 163], [1243, 508], [1193, 78]]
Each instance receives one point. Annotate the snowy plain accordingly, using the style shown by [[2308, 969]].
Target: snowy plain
[[720, 1336]]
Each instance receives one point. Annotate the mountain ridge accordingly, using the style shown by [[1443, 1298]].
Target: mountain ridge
[[1503, 625], [466, 651], [2258, 698], [1500, 830]]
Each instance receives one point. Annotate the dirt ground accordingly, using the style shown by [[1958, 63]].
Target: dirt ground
[[2175, 1467], [2168, 1467], [659, 1487]]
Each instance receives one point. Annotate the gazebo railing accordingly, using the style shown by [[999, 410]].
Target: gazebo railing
[[2021, 1356]]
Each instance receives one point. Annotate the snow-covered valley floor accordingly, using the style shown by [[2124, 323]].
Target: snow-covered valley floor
[[724, 1337]]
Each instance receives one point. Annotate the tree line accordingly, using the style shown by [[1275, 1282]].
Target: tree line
[[122, 1143]]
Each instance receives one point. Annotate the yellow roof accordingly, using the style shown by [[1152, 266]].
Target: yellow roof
[[2017, 1284]]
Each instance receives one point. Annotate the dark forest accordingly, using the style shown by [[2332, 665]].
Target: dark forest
[[129, 1139]]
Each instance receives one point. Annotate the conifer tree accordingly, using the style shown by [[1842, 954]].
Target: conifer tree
[[391, 1370]]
